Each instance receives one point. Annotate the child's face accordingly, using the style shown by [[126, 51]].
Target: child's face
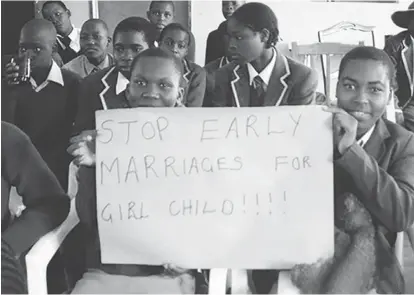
[[244, 45], [37, 46], [176, 41], [229, 7], [94, 40], [155, 82], [127, 45], [161, 15], [363, 90], [59, 17]]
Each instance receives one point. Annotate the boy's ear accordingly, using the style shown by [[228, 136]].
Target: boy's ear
[[265, 35], [148, 14], [109, 40], [69, 13], [180, 97]]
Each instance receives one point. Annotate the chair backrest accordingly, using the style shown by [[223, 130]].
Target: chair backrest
[[330, 53], [348, 32]]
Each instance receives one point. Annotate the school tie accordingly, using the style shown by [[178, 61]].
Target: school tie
[[67, 53], [65, 40], [258, 91]]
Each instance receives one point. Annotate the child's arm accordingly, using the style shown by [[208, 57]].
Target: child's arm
[[46, 204], [196, 88]]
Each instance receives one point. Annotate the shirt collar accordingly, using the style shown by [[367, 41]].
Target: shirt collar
[[364, 139], [266, 73], [55, 75], [90, 67], [121, 83], [74, 37]]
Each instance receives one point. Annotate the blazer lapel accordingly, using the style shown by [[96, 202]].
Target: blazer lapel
[[407, 59], [375, 145], [240, 86], [107, 82], [277, 87], [187, 71]]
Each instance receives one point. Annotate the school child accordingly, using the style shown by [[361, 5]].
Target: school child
[[43, 107], [211, 68], [215, 48], [161, 14], [94, 42], [103, 90], [176, 39], [150, 70], [68, 42], [46, 204], [260, 75], [373, 161]]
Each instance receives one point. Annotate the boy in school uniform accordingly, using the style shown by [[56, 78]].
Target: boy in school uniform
[[260, 75], [161, 14], [43, 107], [176, 39], [94, 42], [150, 70], [68, 38], [215, 48], [400, 48], [103, 90], [373, 160]]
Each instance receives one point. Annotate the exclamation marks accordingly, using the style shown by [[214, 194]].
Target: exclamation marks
[[257, 203], [270, 203], [244, 203]]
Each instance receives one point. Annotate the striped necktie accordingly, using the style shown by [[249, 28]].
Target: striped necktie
[[258, 91]]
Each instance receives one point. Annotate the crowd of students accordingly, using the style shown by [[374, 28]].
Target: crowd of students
[[49, 122]]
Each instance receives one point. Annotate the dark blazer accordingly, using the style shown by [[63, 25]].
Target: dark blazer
[[215, 44], [211, 69], [397, 48], [381, 175], [97, 92], [46, 204], [195, 79], [291, 83]]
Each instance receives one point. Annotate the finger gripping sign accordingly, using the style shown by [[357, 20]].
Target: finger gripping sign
[[215, 188]]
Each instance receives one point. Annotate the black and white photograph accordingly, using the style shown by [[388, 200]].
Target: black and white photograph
[[207, 147]]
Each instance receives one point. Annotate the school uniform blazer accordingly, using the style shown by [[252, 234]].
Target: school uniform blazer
[[211, 68], [381, 175], [195, 78], [97, 92], [398, 48], [291, 83]]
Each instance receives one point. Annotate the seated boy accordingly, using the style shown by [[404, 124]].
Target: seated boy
[[161, 14], [177, 39], [103, 90], [215, 48], [155, 82], [45, 106], [94, 42], [259, 74], [46, 204], [374, 161]]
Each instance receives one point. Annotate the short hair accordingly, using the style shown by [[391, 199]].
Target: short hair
[[370, 53], [258, 16], [177, 26], [60, 3], [161, 53], [138, 24], [13, 280], [164, 2], [98, 21]]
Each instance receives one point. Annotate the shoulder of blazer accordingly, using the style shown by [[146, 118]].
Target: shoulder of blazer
[[399, 134], [96, 79], [298, 71]]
